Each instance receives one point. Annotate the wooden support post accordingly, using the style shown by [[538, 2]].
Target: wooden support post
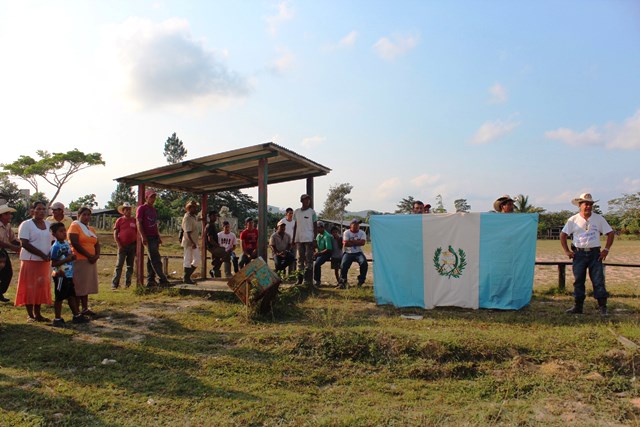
[[139, 245], [203, 240], [263, 237], [562, 276], [310, 190]]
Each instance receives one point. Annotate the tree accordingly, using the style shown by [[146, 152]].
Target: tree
[[337, 201], [9, 191], [439, 205], [627, 210], [405, 206], [174, 150], [521, 205], [88, 200], [54, 168], [123, 193], [461, 205]]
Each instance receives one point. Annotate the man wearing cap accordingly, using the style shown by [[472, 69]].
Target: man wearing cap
[[324, 248], [503, 204], [249, 238], [125, 234], [213, 244], [8, 242], [353, 240], [227, 240], [147, 221], [280, 243], [304, 233], [586, 228], [190, 239], [57, 215]]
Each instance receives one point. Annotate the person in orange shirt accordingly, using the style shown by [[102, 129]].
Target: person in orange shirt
[[86, 248]]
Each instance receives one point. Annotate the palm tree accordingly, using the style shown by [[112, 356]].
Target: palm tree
[[521, 203]]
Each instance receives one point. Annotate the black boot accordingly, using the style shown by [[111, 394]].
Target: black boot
[[577, 308], [602, 306], [188, 271]]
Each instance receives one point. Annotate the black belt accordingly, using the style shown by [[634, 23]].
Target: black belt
[[597, 248]]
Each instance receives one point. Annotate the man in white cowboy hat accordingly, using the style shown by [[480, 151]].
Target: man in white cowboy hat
[[503, 204], [586, 228], [57, 215], [190, 241], [8, 242], [125, 233]]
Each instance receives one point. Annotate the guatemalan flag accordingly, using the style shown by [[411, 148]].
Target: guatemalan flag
[[474, 260]]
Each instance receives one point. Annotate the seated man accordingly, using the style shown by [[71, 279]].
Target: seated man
[[324, 248], [217, 252], [280, 243], [249, 237], [227, 240], [353, 240]]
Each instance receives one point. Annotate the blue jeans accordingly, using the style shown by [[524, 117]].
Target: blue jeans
[[154, 261], [282, 262], [348, 259], [128, 254], [318, 264], [583, 261]]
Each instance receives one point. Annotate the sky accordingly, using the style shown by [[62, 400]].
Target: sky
[[463, 99]]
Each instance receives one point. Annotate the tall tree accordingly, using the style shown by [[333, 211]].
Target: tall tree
[[627, 210], [461, 205], [405, 206], [174, 150], [54, 168], [9, 191], [439, 205], [123, 193], [88, 200], [521, 204], [337, 201]]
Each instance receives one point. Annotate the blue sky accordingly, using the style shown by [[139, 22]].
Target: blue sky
[[467, 99]]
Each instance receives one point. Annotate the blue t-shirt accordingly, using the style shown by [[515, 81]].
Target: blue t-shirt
[[61, 250]]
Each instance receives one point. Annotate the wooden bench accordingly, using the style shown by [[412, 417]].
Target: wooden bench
[[562, 269]]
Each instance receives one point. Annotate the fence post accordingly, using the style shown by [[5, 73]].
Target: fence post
[[562, 276], [165, 265]]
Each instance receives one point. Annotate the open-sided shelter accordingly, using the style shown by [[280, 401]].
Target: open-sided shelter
[[255, 166]]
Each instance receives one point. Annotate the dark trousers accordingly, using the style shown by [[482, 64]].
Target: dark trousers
[[245, 259], [317, 266], [282, 262], [5, 274], [154, 260], [588, 261], [126, 254], [348, 259]]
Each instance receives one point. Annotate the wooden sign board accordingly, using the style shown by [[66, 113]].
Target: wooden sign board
[[256, 274]]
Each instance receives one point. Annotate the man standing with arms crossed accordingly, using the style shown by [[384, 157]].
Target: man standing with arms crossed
[[304, 233], [147, 218], [586, 228]]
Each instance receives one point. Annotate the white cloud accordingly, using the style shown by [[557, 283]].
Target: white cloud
[[590, 136], [625, 136], [161, 63], [389, 50], [632, 183], [498, 94], [313, 141], [284, 62], [284, 14], [490, 131], [348, 40], [386, 188], [424, 179]]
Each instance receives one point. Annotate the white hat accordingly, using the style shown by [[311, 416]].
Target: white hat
[[124, 205], [5, 209], [281, 222], [584, 197], [500, 200], [57, 205]]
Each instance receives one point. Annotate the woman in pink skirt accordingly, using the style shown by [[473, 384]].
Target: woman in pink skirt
[[34, 284]]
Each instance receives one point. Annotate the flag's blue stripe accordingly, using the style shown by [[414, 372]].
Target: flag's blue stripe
[[507, 259], [398, 262]]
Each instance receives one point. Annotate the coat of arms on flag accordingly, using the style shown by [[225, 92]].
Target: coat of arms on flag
[[449, 263]]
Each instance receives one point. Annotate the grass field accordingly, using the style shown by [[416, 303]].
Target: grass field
[[333, 359]]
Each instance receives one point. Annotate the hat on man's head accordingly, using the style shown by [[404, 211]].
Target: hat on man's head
[[249, 219], [500, 201], [584, 197], [149, 193], [320, 224], [281, 222], [57, 205], [125, 205], [5, 209], [305, 196], [355, 221], [191, 203]]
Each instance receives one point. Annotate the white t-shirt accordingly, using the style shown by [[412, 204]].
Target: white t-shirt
[[304, 225], [41, 239], [289, 225], [227, 241], [586, 233], [350, 235]]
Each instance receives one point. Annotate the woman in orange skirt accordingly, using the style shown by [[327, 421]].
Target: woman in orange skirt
[[34, 286]]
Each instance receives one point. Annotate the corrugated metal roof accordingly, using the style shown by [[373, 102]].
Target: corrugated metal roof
[[230, 170]]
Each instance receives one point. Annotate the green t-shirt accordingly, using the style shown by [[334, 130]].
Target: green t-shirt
[[324, 241]]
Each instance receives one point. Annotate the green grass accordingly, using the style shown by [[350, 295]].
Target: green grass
[[339, 359]]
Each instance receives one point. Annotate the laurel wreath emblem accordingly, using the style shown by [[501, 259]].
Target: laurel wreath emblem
[[447, 269]]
